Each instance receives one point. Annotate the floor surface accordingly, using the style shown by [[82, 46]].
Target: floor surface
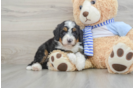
[[16, 76]]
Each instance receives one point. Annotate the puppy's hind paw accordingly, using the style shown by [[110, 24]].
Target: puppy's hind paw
[[36, 67], [29, 67]]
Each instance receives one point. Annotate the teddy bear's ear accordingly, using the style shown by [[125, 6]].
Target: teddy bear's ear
[[73, 1]]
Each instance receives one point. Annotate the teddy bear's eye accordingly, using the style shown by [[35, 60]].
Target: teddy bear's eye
[[92, 2], [80, 7]]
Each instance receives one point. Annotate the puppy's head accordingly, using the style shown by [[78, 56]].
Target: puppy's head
[[68, 33]]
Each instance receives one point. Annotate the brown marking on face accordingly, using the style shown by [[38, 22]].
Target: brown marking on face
[[112, 54], [65, 28], [60, 40], [129, 56], [62, 67], [76, 42], [120, 52], [58, 55], [74, 29], [45, 57], [52, 58], [119, 67]]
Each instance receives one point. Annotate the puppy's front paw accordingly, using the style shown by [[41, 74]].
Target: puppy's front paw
[[36, 67], [72, 57], [80, 63]]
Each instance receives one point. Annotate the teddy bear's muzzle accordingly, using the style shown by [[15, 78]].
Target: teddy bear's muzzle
[[85, 14]]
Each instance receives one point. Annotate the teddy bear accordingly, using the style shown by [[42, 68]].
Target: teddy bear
[[112, 41]]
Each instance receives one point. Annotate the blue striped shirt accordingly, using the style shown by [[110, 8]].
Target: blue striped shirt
[[117, 28], [88, 37]]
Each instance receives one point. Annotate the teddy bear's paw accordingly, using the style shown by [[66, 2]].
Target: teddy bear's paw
[[60, 62], [80, 61], [121, 58]]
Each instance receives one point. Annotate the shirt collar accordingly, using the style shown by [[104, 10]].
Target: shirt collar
[[101, 24]]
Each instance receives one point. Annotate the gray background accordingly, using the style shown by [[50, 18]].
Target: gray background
[[26, 24]]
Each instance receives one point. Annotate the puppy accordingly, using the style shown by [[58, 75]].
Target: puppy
[[67, 37]]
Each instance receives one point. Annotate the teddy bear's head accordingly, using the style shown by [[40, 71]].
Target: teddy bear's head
[[92, 12]]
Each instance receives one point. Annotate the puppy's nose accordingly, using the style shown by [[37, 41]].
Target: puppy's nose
[[85, 14], [69, 40]]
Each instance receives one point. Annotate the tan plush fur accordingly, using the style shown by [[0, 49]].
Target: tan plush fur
[[62, 60], [126, 41], [107, 8], [130, 34], [103, 46]]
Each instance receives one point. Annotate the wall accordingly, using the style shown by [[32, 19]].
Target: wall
[[26, 24]]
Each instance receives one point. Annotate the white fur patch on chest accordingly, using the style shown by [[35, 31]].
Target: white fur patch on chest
[[101, 32], [74, 49]]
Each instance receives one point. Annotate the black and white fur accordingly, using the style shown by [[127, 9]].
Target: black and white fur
[[62, 40]]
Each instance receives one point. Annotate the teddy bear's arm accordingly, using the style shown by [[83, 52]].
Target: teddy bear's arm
[[119, 28]]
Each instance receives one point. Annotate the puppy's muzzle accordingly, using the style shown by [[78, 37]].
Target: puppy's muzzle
[[69, 40]]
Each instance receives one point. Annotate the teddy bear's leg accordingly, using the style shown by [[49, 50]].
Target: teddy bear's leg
[[130, 34], [58, 61], [120, 59], [88, 63]]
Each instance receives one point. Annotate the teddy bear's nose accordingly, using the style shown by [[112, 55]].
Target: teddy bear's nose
[[85, 14]]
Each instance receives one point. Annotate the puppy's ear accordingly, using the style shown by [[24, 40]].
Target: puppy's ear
[[80, 34], [81, 37], [56, 32]]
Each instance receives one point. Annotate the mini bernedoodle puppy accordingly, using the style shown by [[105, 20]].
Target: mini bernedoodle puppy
[[67, 37]]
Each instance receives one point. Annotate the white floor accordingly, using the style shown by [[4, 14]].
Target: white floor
[[15, 76]]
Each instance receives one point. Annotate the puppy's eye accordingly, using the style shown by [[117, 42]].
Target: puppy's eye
[[64, 33], [92, 2], [74, 33], [80, 7]]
